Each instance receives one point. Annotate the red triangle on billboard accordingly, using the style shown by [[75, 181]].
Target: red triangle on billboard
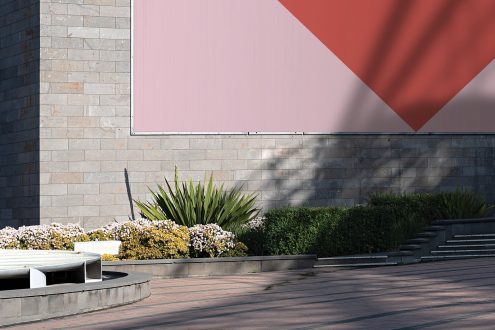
[[414, 54]]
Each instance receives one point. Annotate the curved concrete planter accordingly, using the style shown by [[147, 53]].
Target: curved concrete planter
[[170, 268], [27, 305]]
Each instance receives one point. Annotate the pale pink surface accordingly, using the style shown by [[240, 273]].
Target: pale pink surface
[[472, 110], [243, 66]]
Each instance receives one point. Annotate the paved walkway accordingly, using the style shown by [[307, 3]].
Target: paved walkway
[[442, 295]]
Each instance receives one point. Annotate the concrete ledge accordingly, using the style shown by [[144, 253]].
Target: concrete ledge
[[172, 268], [463, 221], [28, 305]]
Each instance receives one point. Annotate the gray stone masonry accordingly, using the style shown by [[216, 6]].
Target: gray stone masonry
[[87, 150], [19, 112], [30, 305]]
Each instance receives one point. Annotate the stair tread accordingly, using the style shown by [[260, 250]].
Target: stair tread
[[435, 228], [471, 240], [463, 221], [457, 251], [400, 253], [354, 257], [426, 234], [475, 235], [466, 245], [358, 265], [459, 256], [418, 240], [410, 247]]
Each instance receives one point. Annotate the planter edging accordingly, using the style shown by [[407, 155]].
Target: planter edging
[[174, 268]]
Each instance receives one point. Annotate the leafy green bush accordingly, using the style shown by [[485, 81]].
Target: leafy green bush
[[458, 204], [240, 250], [461, 204], [254, 240], [424, 204], [189, 205], [381, 225], [295, 230]]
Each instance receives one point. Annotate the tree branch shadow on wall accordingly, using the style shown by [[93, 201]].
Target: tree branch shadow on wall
[[345, 169]]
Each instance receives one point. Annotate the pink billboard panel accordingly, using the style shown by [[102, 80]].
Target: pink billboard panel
[[322, 66]]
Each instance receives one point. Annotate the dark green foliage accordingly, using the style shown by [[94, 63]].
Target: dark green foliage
[[190, 204], [240, 250], [382, 225], [295, 230], [424, 204], [254, 239], [461, 204], [458, 204], [337, 231]]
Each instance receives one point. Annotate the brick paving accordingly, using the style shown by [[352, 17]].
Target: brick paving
[[442, 295]]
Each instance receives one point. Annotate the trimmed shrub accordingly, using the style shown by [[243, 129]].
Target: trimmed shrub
[[458, 204], [424, 205], [294, 230], [382, 225], [367, 229]]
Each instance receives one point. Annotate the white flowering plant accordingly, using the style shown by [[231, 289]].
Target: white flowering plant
[[210, 240], [42, 237], [253, 234], [141, 239], [257, 224], [8, 238]]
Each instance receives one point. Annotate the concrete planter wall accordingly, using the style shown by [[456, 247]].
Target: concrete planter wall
[[170, 268], [27, 305]]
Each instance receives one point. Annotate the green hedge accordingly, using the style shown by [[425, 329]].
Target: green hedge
[[381, 225]]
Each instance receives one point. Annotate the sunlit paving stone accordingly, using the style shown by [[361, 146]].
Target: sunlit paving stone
[[373, 298]]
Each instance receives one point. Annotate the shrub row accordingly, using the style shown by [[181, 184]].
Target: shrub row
[[381, 225], [141, 239]]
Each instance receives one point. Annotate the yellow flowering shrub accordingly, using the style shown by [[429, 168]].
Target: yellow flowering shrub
[[109, 257], [152, 243]]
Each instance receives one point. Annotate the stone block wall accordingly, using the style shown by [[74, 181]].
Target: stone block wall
[[91, 167], [19, 112]]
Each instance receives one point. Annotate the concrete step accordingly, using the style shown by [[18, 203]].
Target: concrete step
[[467, 247], [418, 240], [435, 228], [469, 241], [464, 221], [373, 264], [404, 253], [351, 260], [475, 236], [426, 234], [462, 252], [454, 257], [409, 247]]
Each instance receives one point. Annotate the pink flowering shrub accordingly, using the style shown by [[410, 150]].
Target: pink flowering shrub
[[210, 240], [141, 239]]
